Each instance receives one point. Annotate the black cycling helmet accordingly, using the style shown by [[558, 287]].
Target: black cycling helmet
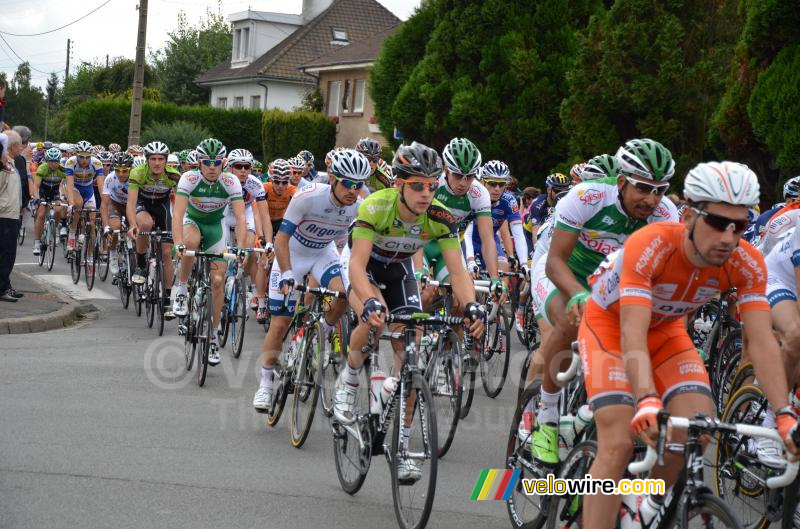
[[416, 160]]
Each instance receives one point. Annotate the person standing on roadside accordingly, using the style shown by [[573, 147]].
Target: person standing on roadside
[[10, 208]]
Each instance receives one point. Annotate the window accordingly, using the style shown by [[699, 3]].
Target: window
[[339, 36], [222, 102], [358, 95], [255, 101], [245, 43], [238, 102], [334, 93], [237, 39]]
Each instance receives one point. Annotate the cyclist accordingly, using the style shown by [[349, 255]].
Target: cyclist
[[200, 202], [82, 171], [381, 176], [791, 193], [114, 148], [113, 208], [279, 192], [592, 221], [298, 167], [541, 206], [467, 200], [149, 187], [258, 171], [47, 187], [305, 244], [637, 355], [309, 172], [105, 158], [392, 225]]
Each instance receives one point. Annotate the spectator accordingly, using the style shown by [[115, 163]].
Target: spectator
[[10, 208], [3, 86], [22, 162]]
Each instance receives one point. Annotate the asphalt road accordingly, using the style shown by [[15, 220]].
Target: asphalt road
[[101, 427]]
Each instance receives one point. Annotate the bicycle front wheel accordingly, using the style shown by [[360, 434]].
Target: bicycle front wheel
[[564, 512], [306, 385], [102, 260], [708, 511], [333, 360], [160, 288], [353, 459], [76, 265], [238, 318], [204, 331], [444, 376], [51, 245], [495, 357], [90, 262], [414, 459]]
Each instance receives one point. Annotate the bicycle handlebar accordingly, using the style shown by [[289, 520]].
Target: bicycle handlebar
[[321, 291], [225, 255], [572, 370]]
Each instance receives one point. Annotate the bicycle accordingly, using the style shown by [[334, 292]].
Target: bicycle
[[300, 371], [356, 441], [340, 343], [126, 261], [234, 309], [155, 285], [79, 260], [49, 236], [196, 326]]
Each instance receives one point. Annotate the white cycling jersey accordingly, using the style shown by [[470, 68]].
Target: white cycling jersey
[[778, 229], [313, 220], [252, 192], [781, 262], [115, 189]]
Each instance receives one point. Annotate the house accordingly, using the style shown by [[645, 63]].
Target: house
[[343, 76], [268, 49]]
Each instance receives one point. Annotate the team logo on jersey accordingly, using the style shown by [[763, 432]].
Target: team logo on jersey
[[607, 220], [474, 192], [415, 229], [589, 196]]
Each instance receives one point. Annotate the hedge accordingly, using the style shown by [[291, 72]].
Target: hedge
[[287, 133], [106, 121]]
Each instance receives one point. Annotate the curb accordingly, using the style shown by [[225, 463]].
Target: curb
[[68, 315]]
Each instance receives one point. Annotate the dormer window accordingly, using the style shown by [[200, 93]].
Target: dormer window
[[241, 43], [340, 37]]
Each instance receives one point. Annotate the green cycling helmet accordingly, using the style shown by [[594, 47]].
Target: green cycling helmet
[[183, 155], [646, 158], [462, 156], [601, 166], [211, 148]]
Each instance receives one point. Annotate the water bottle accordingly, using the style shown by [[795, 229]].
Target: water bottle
[[388, 388], [229, 288], [294, 347], [649, 507], [81, 239], [376, 380], [566, 435], [582, 419], [629, 512]]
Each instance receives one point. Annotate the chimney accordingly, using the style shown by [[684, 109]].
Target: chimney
[[312, 8]]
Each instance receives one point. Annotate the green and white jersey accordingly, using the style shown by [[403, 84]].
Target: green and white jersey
[[207, 200], [465, 208], [150, 187], [394, 240], [593, 210]]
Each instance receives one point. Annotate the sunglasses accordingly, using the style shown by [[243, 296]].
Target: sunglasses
[[419, 185], [240, 166], [280, 182], [722, 224], [121, 169], [495, 184], [84, 156], [459, 176], [651, 189], [208, 162], [350, 184]]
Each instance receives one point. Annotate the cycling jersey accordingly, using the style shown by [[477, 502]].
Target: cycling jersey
[[83, 176], [276, 203], [593, 210], [394, 240], [312, 220], [150, 188], [653, 270], [464, 208], [781, 264], [504, 210], [115, 189], [381, 177], [207, 200], [779, 226], [49, 177], [539, 209], [252, 191]]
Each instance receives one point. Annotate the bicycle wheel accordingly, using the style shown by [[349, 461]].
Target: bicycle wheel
[[204, 331], [280, 392], [42, 257], [413, 499], [444, 380], [523, 374], [352, 458], [306, 385], [122, 283], [76, 264], [565, 511], [706, 506], [90, 268], [190, 334], [333, 360], [51, 245], [225, 319], [790, 505], [102, 261], [238, 318], [468, 392], [158, 285], [495, 357], [149, 300], [738, 474]]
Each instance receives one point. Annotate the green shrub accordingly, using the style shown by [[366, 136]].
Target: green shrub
[[106, 121], [287, 133], [387, 153], [178, 135]]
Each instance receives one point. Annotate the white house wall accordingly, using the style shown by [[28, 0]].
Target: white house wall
[[284, 96]]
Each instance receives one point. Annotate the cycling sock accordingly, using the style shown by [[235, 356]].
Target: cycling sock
[[326, 328], [141, 260], [350, 375], [266, 376], [549, 408], [181, 289], [769, 418]]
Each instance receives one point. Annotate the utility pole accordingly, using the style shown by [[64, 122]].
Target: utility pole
[[106, 60], [134, 130], [66, 74]]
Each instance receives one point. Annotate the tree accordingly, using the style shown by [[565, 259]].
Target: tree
[[26, 103], [118, 77], [53, 93], [190, 51], [650, 68]]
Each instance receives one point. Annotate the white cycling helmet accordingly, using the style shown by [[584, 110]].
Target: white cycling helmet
[[350, 164], [726, 182], [172, 159], [139, 160], [240, 156]]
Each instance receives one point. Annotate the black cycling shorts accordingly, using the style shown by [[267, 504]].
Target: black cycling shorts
[[276, 225], [159, 210], [402, 291], [49, 193]]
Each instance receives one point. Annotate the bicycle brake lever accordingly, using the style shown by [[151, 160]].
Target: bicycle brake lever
[[663, 419]]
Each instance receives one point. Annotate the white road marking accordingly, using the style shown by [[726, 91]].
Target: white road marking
[[79, 292]]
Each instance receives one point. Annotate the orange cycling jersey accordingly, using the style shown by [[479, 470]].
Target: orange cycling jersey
[[277, 204], [652, 270]]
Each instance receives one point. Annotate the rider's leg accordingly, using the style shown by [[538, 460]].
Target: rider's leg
[[217, 291], [38, 224], [786, 320], [145, 223]]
